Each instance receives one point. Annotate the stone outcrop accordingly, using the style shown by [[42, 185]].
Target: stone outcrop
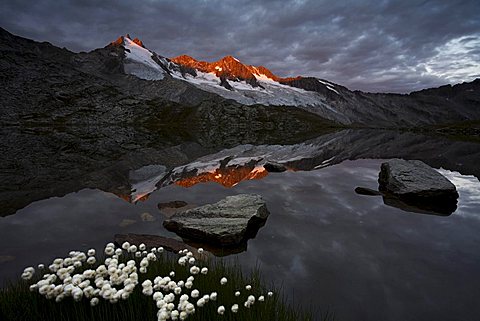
[[228, 222], [416, 184]]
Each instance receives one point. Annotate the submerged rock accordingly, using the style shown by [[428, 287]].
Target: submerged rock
[[172, 204], [147, 217], [227, 222], [416, 184]]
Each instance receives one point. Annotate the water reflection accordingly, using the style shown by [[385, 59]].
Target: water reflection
[[230, 166], [366, 260], [431, 207], [140, 171]]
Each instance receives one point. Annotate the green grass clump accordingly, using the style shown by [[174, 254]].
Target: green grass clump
[[17, 302]]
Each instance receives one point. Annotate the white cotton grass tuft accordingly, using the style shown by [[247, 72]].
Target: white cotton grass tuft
[[213, 296], [28, 273], [201, 302], [195, 293], [116, 276], [194, 270], [108, 251]]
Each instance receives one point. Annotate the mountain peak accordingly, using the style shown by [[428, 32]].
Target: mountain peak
[[185, 60], [117, 42], [230, 58], [138, 42], [229, 68], [121, 41]]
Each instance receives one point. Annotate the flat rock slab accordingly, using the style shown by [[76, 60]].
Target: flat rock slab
[[414, 179], [228, 222]]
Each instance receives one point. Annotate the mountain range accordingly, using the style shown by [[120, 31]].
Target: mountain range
[[126, 67], [249, 85]]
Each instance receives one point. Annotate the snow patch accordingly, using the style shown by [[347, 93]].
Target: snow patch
[[330, 88], [325, 83], [271, 93], [264, 78], [140, 63]]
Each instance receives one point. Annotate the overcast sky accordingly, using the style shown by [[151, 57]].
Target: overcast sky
[[373, 45]]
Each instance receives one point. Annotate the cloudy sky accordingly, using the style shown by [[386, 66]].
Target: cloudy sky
[[372, 45]]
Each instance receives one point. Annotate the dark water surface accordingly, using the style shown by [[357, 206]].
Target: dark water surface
[[328, 246]]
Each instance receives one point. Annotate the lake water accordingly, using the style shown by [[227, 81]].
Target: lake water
[[330, 247]]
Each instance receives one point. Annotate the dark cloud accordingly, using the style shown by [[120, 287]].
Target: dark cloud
[[370, 45]]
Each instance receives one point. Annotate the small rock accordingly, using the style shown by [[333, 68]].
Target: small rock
[[6, 258], [147, 217], [126, 222], [273, 167], [227, 222], [172, 204]]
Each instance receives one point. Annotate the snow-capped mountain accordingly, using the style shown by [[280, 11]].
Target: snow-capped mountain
[[232, 79]]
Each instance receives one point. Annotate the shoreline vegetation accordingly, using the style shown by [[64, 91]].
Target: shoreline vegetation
[[133, 283]]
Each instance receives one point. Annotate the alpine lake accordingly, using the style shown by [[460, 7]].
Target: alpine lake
[[330, 248]]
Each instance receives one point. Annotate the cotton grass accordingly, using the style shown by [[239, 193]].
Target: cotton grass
[[133, 282]]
